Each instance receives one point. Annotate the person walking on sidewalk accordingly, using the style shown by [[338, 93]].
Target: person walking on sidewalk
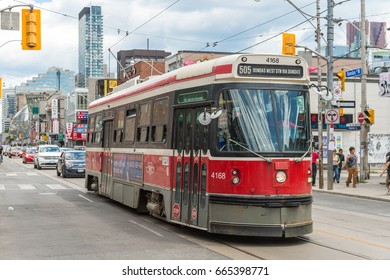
[[314, 162], [342, 159], [336, 162], [387, 168], [352, 168]]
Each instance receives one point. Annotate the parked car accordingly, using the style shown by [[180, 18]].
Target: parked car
[[71, 164], [63, 149], [14, 151], [79, 148], [21, 152], [6, 150], [28, 154], [46, 156]]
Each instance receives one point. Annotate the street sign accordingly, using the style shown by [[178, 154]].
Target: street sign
[[353, 72], [361, 118], [332, 116], [344, 104], [353, 126]]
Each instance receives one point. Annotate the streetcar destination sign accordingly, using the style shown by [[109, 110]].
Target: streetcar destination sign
[[265, 70]]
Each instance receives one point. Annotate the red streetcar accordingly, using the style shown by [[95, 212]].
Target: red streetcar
[[222, 146]]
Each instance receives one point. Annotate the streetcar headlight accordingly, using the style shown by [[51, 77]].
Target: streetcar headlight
[[281, 176], [235, 180]]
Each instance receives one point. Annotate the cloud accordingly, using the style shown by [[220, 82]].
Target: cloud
[[186, 25]]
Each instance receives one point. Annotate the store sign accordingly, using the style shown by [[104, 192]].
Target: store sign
[[79, 131], [54, 108], [82, 115]]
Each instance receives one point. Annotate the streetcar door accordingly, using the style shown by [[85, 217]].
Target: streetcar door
[[190, 166], [107, 159]]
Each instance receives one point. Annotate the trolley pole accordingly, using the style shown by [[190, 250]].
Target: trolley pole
[[330, 136], [365, 128]]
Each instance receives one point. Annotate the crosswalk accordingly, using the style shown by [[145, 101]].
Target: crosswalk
[[4, 187]]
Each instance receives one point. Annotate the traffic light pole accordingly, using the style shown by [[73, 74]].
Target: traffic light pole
[[330, 39], [365, 128]]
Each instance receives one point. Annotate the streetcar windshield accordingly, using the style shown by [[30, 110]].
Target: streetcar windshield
[[263, 120]]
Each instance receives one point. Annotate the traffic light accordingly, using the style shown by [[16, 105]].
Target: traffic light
[[369, 116], [288, 43], [31, 29], [341, 76]]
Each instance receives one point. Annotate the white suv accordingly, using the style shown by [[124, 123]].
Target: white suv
[[46, 156]]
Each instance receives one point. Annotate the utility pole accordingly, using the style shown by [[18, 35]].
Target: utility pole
[[365, 128], [330, 39], [320, 102]]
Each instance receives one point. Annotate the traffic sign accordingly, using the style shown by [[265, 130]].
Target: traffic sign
[[344, 104], [332, 116], [361, 118], [353, 72], [353, 126]]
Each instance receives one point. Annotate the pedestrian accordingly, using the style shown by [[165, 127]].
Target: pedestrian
[[352, 168], [314, 162], [341, 165], [387, 168], [335, 162], [1, 154]]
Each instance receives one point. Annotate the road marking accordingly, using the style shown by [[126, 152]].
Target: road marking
[[10, 174], [85, 198], [26, 187], [353, 239], [2, 187], [31, 174], [145, 227], [56, 187]]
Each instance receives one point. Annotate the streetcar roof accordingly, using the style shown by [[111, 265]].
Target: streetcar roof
[[218, 68]]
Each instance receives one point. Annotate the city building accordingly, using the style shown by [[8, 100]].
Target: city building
[[8, 109], [90, 44], [375, 32], [183, 58], [55, 79], [142, 63]]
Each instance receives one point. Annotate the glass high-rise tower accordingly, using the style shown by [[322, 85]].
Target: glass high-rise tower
[[90, 44]]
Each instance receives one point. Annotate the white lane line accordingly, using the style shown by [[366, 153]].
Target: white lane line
[[31, 174], [2, 187], [85, 198], [26, 187], [145, 227], [56, 187], [10, 174]]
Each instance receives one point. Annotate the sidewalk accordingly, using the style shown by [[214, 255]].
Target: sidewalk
[[374, 188]]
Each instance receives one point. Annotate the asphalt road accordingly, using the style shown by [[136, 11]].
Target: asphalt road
[[43, 216]]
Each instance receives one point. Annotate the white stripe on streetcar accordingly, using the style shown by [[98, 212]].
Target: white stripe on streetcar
[[56, 187], [26, 187]]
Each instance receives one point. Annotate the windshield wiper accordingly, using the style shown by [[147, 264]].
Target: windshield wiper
[[249, 150]]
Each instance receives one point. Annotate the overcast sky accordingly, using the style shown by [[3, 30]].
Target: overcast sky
[[170, 25]]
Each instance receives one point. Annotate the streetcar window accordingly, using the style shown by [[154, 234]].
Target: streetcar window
[[98, 129], [179, 131], [188, 126], [203, 186], [263, 120], [130, 125], [178, 182], [160, 120], [119, 124], [91, 129], [195, 186], [143, 122], [186, 182]]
